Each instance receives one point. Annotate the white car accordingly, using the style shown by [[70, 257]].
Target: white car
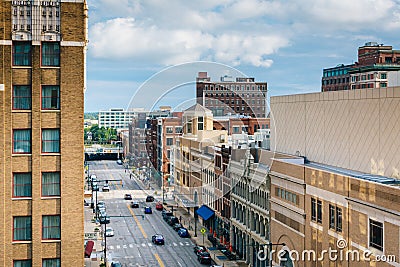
[[106, 188], [109, 232]]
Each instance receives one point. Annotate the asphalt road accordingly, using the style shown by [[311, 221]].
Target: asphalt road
[[131, 244]]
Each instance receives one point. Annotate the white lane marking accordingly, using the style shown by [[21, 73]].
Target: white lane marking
[[187, 244], [180, 243], [118, 246], [149, 244], [131, 245], [174, 244], [110, 247], [179, 264], [143, 244], [124, 246]]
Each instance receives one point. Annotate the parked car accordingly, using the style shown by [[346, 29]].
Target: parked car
[[204, 257], [106, 188], [116, 264], [158, 239], [104, 219], [148, 210], [183, 232], [128, 197], [149, 199], [119, 162], [95, 187], [172, 220], [159, 206], [177, 226], [166, 214], [109, 232], [134, 204], [198, 249]]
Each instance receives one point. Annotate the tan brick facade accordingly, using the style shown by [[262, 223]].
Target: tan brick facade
[[69, 162]]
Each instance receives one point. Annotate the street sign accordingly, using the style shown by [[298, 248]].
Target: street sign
[[203, 230], [90, 236]]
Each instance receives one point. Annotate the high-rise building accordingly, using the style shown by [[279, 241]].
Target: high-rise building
[[378, 66], [241, 96], [117, 118], [42, 83]]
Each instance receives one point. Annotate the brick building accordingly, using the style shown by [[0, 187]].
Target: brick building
[[242, 95], [378, 66], [42, 83]]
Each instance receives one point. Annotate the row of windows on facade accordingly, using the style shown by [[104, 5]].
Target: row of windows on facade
[[27, 12], [232, 102], [22, 228], [50, 185], [22, 141], [331, 73], [27, 27], [233, 87], [170, 129], [238, 109], [45, 263], [368, 85], [22, 97], [233, 95], [22, 54], [336, 220]]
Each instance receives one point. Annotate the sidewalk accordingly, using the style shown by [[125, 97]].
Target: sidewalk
[[89, 226]]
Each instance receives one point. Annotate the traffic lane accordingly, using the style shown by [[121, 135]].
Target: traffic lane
[[176, 250], [135, 243]]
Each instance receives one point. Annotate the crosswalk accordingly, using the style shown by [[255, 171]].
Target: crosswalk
[[126, 246]]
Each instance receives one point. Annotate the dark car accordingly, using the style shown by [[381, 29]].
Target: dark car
[[116, 264], [204, 257], [104, 219], [183, 232], [198, 249], [166, 214], [172, 220], [149, 199], [159, 206], [158, 239], [148, 210], [177, 226], [134, 204], [128, 197]]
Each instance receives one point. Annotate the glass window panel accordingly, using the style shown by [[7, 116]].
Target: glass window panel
[[51, 184], [22, 185], [50, 54], [22, 229], [22, 97], [22, 141], [22, 263], [51, 227], [51, 141], [51, 263], [51, 97], [22, 54]]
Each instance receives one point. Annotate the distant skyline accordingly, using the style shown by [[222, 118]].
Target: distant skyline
[[285, 43]]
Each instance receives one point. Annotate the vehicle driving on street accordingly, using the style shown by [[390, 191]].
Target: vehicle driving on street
[[158, 239]]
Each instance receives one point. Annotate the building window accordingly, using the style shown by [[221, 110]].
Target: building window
[[236, 129], [22, 54], [170, 141], [22, 230], [383, 85], [50, 184], [331, 217], [168, 154], [200, 123], [383, 76], [22, 185], [339, 219], [22, 263], [169, 129], [319, 211], [50, 54], [51, 141], [313, 209], [51, 263], [376, 234], [22, 97], [51, 227], [178, 129], [189, 127], [51, 97], [22, 141]]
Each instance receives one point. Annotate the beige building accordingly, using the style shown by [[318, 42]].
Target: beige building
[[42, 83], [336, 189]]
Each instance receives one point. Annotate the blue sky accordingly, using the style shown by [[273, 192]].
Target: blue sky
[[140, 49]]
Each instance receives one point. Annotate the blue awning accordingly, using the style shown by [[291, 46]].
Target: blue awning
[[205, 212]]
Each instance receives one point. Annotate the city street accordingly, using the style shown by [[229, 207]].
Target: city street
[[131, 244]]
